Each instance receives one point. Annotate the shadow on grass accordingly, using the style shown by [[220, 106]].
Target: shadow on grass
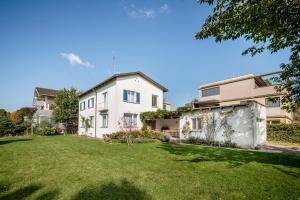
[[125, 190], [25, 192], [21, 193], [235, 158], [2, 142]]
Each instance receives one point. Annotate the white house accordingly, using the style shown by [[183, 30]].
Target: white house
[[116, 103]]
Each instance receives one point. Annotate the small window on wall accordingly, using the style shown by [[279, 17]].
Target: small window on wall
[[82, 106], [104, 121], [210, 92], [196, 124], [273, 102], [154, 100], [91, 119], [91, 103]]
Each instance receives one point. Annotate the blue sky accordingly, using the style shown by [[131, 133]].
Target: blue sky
[[64, 43]]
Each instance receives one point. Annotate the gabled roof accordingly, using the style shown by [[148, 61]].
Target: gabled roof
[[123, 75], [45, 92]]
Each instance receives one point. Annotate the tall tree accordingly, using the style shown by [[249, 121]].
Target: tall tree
[[66, 109], [271, 24]]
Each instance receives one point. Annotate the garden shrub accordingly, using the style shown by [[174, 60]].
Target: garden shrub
[[284, 132], [45, 128], [201, 141], [137, 137]]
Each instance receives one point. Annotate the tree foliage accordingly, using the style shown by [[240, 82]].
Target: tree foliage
[[66, 109], [17, 117], [271, 24]]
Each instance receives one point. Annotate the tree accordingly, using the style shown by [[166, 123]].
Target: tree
[[66, 109], [271, 24], [3, 113], [17, 117], [6, 126]]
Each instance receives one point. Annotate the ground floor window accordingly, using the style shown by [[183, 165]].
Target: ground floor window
[[91, 121], [104, 121], [196, 124], [130, 120]]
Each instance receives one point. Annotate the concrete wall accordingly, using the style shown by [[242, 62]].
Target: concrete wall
[[247, 121]]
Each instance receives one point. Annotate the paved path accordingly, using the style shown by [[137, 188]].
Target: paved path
[[280, 149]]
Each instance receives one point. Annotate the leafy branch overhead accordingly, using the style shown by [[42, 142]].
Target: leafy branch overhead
[[270, 24]]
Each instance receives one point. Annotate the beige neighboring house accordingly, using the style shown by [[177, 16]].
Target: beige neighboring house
[[244, 88], [43, 101]]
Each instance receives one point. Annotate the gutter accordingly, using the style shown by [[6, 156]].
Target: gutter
[[95, 113]]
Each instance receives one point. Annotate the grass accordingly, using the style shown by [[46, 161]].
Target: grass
[[70, 167]]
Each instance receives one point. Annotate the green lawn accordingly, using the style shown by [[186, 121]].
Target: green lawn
[[71, 167]]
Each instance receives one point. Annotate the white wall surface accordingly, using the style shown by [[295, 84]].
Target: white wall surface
[[247, 121]]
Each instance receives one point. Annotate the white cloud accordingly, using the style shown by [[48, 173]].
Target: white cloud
[[75, 60], [164, 9], [148, 13], [134, 12]]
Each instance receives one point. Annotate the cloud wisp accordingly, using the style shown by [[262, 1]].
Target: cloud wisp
[[76, 60], [135, 12]]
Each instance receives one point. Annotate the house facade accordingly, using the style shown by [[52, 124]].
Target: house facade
[[43, 101], [241, 89], [116, 103]]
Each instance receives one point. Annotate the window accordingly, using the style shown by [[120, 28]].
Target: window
[[82, 106], [105, 99], [196, 123], [91, 103], [130, 120], [273, 102], [211, 92], [91, 121], [104, 117], [131, 96], [154, 100]]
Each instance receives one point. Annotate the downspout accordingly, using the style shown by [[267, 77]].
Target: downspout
[[96, 102]]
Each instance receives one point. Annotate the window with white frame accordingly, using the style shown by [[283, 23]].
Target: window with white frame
[[273, 102], [82, 106], [91, 103], [91, 120], [196, 124], [130, 120], [105, 102], [154, 100], [104, 120], [131, 96]]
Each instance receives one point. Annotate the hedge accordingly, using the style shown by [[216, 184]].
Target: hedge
[[284, 132]]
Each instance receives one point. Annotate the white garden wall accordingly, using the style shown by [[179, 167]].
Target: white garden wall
[[244, 125]]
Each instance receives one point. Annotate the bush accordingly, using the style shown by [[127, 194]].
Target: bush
[[6, 126], [284, 132], [45, 128], [137, 137], [201, 141]]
